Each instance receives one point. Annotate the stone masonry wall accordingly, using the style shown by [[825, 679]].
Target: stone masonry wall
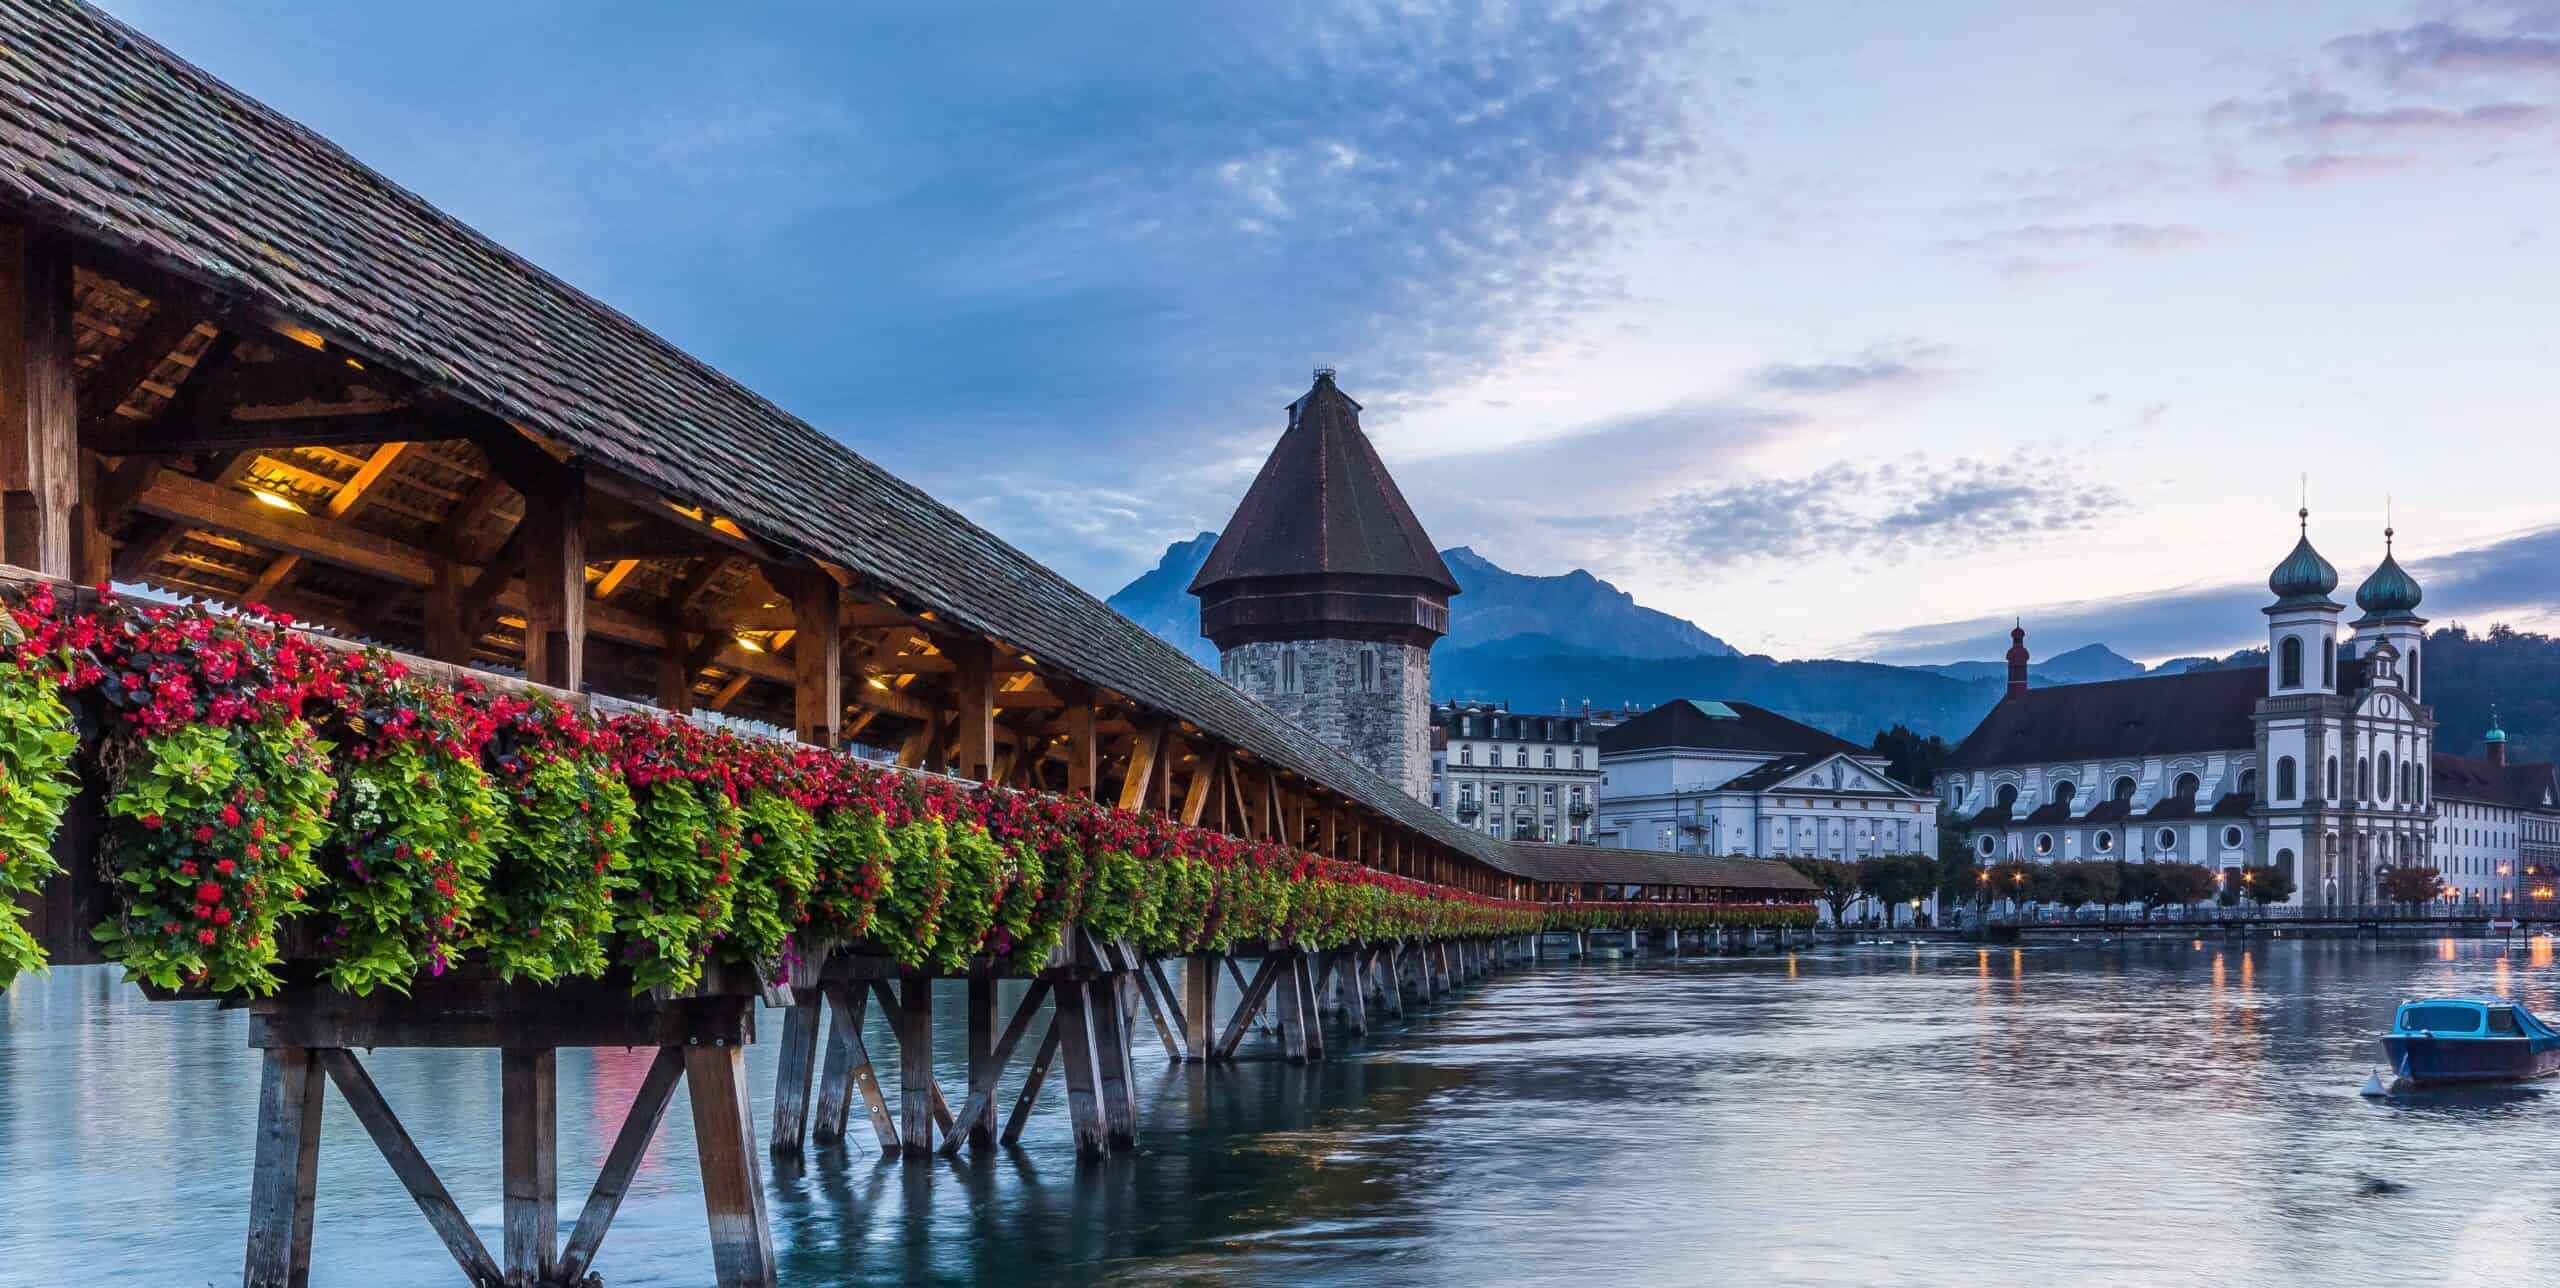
[[1386, 726]]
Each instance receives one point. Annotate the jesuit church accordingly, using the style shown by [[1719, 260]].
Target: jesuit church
[[2317, 764]]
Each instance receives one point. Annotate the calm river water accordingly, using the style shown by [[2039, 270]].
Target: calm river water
[[2152, 1113]]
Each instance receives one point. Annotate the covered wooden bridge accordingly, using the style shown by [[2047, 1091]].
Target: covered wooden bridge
[[237, 364]]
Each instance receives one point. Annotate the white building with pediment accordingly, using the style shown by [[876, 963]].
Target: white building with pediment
[[1730, 778], [2319, 763]]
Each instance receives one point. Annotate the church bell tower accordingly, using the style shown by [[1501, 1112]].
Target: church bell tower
[[1324, 595]]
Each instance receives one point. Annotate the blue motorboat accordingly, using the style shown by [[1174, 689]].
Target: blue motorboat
[[2469, 1039]]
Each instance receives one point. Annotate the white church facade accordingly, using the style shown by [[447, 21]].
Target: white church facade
[[2318, 764]]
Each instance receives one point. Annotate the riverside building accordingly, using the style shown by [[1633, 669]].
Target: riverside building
[[1517, 776], [2320, 763], [1705, 777]]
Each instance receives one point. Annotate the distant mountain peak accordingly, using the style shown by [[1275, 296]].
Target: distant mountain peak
[[1574, 611]]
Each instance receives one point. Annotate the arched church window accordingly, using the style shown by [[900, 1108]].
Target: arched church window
[[2289, 665], [2063, 792], [2328, 661], [2186, 787], [2383, 779], [2249, 783], [2284, 862], [2333, 778], [2124, 789], [2413, 671], [2285, 782], [2404, 782], [2364, 778], [2008, 796]]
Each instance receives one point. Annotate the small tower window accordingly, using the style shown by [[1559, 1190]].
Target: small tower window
[[2285, 782], [2328, 661], [1288, 670], [2333, 778], [2384, 778], [2364, 778], [2289, 665], [1368, 670]]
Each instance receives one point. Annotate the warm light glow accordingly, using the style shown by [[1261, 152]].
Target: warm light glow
[[748, 642], [878, 683], [278, 498]]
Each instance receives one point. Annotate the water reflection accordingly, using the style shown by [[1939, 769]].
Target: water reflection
[[2178, 1112]]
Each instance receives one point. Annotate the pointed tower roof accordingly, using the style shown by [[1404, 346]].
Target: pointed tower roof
[[1323, 544], [1324, 503], [2390, 594]]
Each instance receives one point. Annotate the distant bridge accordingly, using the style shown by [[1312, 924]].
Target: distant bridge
[[2218, 919]]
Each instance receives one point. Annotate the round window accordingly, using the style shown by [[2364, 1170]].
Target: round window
[[2105, 841], [2231, 838], [1990, 846], [2044, 842], [2168, 838]]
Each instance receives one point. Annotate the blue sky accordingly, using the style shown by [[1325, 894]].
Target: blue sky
[[1847, 329]]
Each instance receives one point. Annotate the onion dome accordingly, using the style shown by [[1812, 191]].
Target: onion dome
[[2390, 594], [2495, 734], [2304, 579]]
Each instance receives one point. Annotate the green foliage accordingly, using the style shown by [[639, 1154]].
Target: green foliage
[[972, 899], [2410, 884], [853, 858], [1910, 759], [1894, 880], [2268, 885], [1835, 883], [780, 868], [412, 854], [551, 902], [908, 922], [211, 847], [682, 864], [37, 743]]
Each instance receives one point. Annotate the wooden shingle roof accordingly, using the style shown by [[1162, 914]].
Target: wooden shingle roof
[[1572, 863], [105, 133]]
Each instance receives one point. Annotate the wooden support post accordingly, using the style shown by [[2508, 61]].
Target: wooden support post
[[849, 1069], [724, 1133], [1105, 1002], [1311, 1002], [1142, 771], [285, 1179], [675, 668], [1199, 1005], [973, 702], [984, 1075], [915, 1066], [528, 1095], [1081, 748], [977, 1119], [621, 1163], [1030, 1093], [817, 656], [1397, 958], [793, 1073], [39, 404], [1078, 1047], [1264, 977], [1148, 982], [1355, 994], [410, 1166], [555, 578], [1289, 1001]]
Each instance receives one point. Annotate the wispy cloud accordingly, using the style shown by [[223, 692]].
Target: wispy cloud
[[1892, 509], [2513, 578], [1904, 362]]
